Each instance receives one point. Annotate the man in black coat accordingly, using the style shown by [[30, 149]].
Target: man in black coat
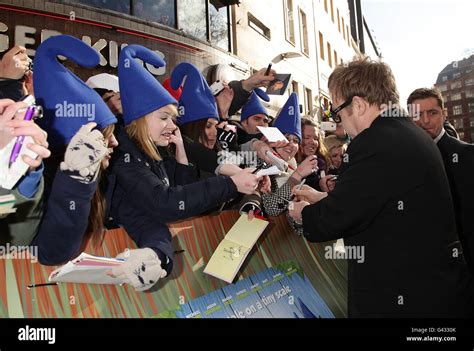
[[458, 158], [391, 204]]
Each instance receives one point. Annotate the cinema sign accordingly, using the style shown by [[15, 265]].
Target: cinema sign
[[108, 50]]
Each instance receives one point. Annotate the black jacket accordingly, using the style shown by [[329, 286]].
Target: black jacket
[[144, 195], [458, 158], [11, 89], [392, 201]]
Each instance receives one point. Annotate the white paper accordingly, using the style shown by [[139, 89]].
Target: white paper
[[72, 273], [272, 134], [273, 170], [10, 176]]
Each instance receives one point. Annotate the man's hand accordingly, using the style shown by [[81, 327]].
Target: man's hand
[[15, 63], [258, 79], [295, 209], [327, 184], [308, 194]]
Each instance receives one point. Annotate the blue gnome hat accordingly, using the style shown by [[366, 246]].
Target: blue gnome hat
[[254, 106], [196, 101], [289, 119], [68, 103], [140, 92], [261, 94]]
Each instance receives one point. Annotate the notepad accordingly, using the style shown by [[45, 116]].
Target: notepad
[[10, 176], [87, 269], [272, 134], [234, 249], [7, 203]]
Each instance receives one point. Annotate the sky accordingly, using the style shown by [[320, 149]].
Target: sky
[[418, 38]]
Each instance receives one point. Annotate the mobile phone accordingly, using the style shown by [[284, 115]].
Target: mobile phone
[[216, 87]]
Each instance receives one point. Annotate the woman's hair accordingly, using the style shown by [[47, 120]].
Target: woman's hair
[[333, 141], [138, 132], [197, 132], [321, 151], [95, 228]]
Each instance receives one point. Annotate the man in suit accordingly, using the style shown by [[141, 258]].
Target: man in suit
[[429, 114], [391, 204]]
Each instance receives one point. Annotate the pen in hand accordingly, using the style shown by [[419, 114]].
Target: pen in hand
[[298, 188], [267, 72]]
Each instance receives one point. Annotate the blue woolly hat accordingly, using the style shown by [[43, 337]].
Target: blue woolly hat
[[289, 119], [68, 103], [140, 92], [196, 101], [254, 106]]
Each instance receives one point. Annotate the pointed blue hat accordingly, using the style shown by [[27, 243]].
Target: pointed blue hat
[[140, 92], [68, 103], [289, 119], [254, 106], [196, 101]]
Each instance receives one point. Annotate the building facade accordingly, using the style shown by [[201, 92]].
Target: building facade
[[456, 83], [306, 38]]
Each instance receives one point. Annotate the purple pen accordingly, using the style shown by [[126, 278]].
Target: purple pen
[[19, 140]]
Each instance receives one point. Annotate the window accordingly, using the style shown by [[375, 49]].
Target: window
[[457, 110], [192, 18], [119, 6], [309, 100], [458, 123], [455, 97], [343, 30], [304, 33], [338, 21], [456, 85], [321, 45], [332, 12], [442, 88], [157, 11], [326, 6], [471, 123], [469, 93], [329, 55], [444, 78], [289, 21], [456, 75], [258, 26], [219, 26], [335, 58], [471, 107], [469, 82]]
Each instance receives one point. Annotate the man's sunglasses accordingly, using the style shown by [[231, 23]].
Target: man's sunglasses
[[334, 113]]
